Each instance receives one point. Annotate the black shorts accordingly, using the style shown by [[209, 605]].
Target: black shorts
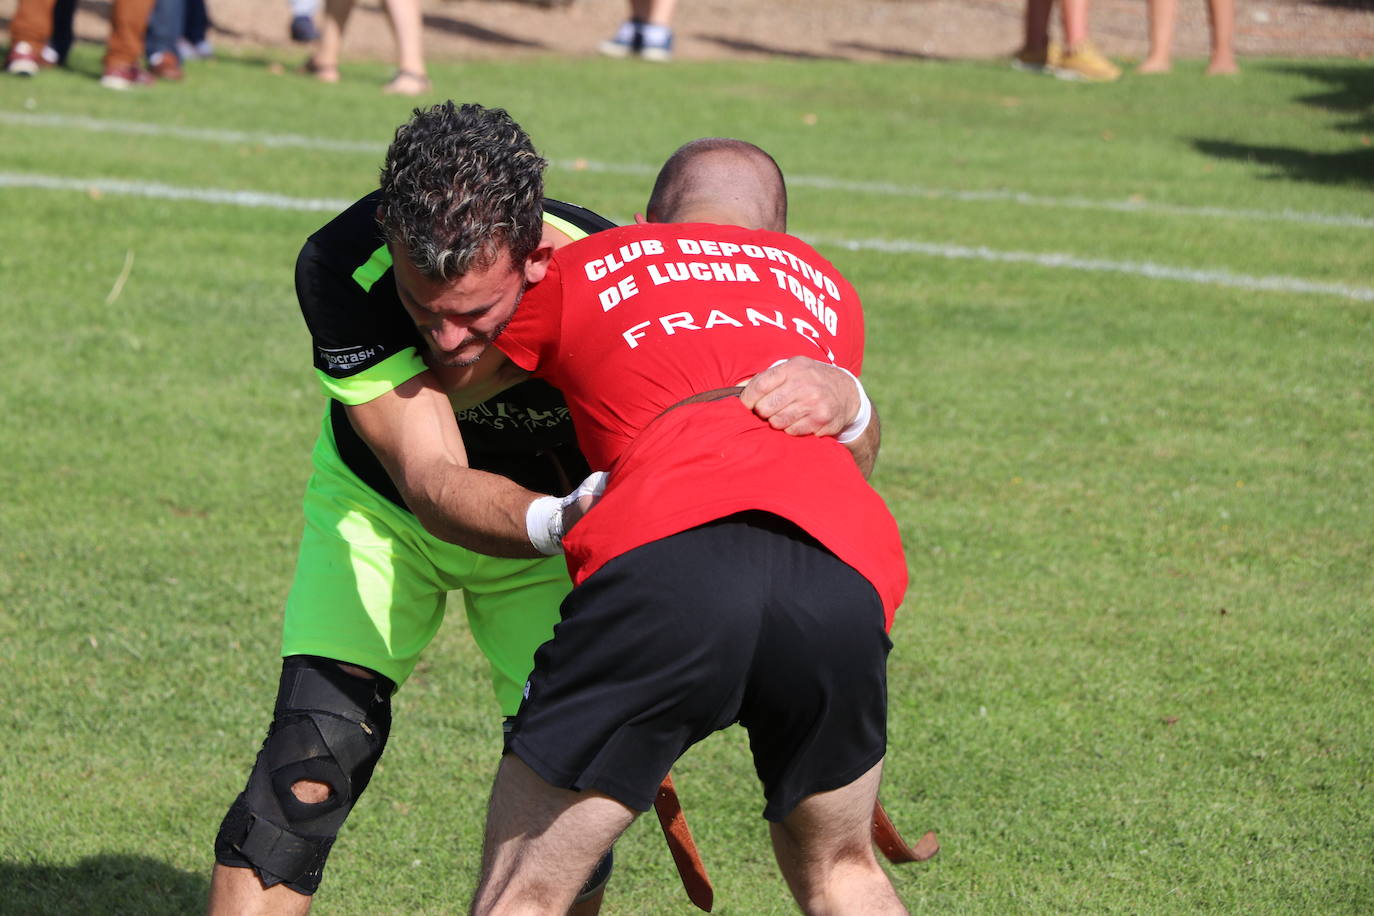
[[746, 619]]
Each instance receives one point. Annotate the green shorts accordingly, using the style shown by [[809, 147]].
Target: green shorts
[[371, 586]]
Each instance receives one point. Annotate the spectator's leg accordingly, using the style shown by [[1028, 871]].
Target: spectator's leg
[[63, 34], [407, 25], [196, 24], [1037, 27], [324, 63], [1223, 16], [32, 23], [657, 12], [1080, 59], [1075, 19], [1162, 16], [164, 28], [128, 24], [655, 19]]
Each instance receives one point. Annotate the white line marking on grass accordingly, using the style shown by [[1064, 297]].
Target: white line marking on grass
[[1082, 203], [210, 135], [1149, 269], [819, 182], [608, 168], [168, 192], [889, 246]]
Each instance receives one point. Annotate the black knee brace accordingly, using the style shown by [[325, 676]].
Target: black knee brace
[[601, 875], [328, 726]]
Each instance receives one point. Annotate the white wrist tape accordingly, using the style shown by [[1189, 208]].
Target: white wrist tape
[[856, 426], [545, 519], [544, 525]]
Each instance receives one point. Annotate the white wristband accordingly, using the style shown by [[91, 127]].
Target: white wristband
[[545, 520], [856, 426], [544, 525]]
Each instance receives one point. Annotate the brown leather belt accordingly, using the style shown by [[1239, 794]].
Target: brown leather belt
[[887, 839], [715, 394], [683, 848]]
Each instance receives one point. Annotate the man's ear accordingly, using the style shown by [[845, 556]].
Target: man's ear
[[537, 264]]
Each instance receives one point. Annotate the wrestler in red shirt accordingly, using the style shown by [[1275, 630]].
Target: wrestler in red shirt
[[731, 572]]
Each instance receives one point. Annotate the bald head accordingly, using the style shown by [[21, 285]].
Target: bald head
[[715, 180]]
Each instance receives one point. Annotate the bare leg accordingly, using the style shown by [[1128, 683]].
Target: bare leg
[[657, 12], [324, 63], [1075, 16], [238, 892], [1223, 16], [1163, 13], [825, 850], [1037, 25], [541, 842], [407, 25]]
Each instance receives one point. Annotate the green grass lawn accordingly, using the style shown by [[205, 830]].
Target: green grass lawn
[[1135, 666]]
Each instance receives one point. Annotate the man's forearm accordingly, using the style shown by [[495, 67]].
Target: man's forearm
[[474, 509], [865, 447], [411, 430]]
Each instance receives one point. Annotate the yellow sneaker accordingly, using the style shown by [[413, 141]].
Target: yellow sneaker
[[1085, 62], [1037, 61]]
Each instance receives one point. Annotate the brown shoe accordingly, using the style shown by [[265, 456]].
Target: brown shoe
[[166, 66]]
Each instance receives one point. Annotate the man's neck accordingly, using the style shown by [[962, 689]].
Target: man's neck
[[722, 215]]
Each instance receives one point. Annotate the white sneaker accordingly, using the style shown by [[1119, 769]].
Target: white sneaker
[[23, 60], [656, 43], [622, 44]]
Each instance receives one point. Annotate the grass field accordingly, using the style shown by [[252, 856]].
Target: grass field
[[1122, 339]]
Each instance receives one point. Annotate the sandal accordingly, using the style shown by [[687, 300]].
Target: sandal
[[319, 71], [408, 82]]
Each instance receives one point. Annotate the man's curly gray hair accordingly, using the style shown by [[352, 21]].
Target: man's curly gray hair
[[462, 184]]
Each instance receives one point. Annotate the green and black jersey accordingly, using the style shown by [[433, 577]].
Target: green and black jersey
[[365, 345]]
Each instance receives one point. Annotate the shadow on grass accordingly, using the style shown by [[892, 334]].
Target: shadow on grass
[[1355, 167], [843, 50], [108, 885], [890, 52], [1346, 4], [455, 26], [746, 46], [1350, 91]]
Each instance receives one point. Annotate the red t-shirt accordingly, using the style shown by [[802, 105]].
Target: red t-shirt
[[631, 321]]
